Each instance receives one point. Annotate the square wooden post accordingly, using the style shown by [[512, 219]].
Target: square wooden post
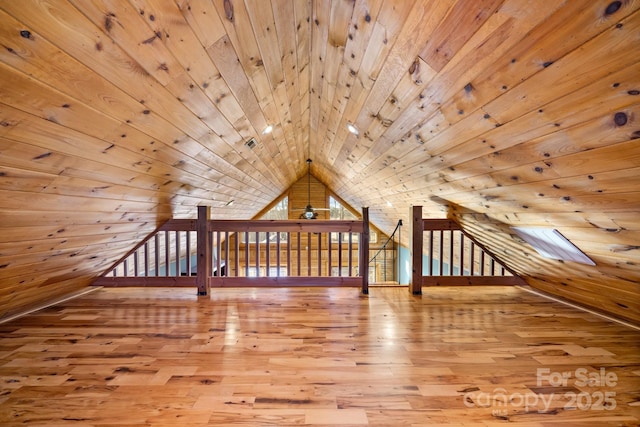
[[364, 251], [204, 250], [417, 230]]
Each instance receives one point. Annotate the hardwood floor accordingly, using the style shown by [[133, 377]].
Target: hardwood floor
[[317, 356]]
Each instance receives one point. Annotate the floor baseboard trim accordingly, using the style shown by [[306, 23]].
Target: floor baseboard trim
[[48, 304], [580, 307]]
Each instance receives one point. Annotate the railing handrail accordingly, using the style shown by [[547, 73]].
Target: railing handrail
[[269, 225]]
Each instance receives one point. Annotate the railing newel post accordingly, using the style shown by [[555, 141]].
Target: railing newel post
[[364, 251], [204, 250], [417, 229]]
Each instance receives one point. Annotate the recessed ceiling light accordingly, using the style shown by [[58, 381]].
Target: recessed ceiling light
[[354, 130], [267, 130]]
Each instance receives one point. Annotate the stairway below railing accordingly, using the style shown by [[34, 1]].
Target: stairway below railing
[[384, 267]]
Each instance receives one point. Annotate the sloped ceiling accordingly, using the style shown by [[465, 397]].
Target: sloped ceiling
[[117, 115]]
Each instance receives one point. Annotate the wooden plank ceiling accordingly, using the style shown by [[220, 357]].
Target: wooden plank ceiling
[[117, 115]]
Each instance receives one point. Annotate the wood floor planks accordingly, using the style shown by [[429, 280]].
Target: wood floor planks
[[317, 356]]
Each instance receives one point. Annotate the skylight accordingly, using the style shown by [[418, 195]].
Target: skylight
[[549, 243]]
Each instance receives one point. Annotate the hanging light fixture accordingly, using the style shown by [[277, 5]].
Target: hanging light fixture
[[309, 212]]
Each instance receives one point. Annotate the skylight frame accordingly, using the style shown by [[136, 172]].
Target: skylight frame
[[550, 243]]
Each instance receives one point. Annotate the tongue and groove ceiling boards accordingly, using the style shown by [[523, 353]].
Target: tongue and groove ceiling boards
[[118, 115]]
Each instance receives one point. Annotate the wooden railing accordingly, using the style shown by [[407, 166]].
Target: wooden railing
[[451, 257], [232, 253], [166, 258]]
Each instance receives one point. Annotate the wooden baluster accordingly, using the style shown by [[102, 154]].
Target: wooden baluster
[[226, 254], [288, 253], [136, 270], [308, 254], [267, 254], [298, 254], [258, 254], [146, 259], [319, 254], [247, 248], [178, 254], [218, 252], [340, 254], [461, 253], [214, 252], [472, 257], [278, 254], [350, 255], [329, 255], [188, 243], [167, 255], [441, 254], [430, 265], [156, 254], [450, 252], [236, 257]]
